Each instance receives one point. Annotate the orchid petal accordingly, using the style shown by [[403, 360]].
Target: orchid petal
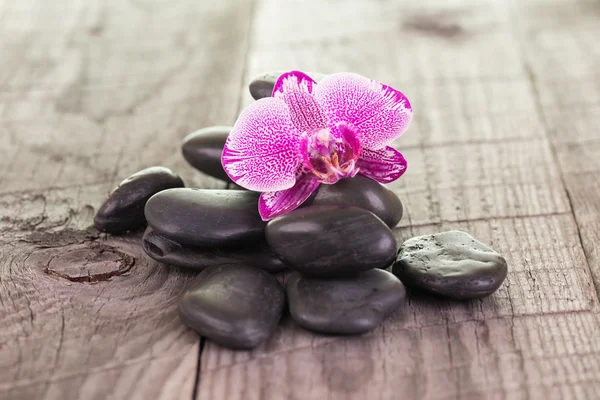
[[293, 81], [383, 165], [379, 112], [272, 204], [296, 88], [261, 151]]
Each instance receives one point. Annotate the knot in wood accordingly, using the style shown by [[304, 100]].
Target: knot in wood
[[93, 263]]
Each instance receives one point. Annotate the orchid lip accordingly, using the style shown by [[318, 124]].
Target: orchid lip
[[330, 157]]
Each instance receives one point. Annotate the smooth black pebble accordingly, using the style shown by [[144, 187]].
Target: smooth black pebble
[[331, 240], [452, 264], [351, 305], [262, 85], [123, 210], [164, 250], [236, 306], [202, 150], [364, 193], [206, 218]]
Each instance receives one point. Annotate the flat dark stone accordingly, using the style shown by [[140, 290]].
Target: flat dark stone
[[236, 306], [202, 150], [330, 240], [364, 193], [351, 305], [123, 210], [262, 85], [452, 264], [206, 218], [164, 250]]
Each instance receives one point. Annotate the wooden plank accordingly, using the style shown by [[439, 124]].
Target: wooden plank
[[577, 146], [476, 181], [120, 88], [568, 99], [107, 335], [479, 160], [554, 357], [89, 93]]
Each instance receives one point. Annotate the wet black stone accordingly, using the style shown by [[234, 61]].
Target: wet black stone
[[164, 250], [123, 210], [351, 305], [331, 240], [262, 85], [364, 193], [452, 264], [235, 306], [202, 150], [206, 218]]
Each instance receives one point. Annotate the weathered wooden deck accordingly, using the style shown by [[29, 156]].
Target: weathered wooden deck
[[505, 144]]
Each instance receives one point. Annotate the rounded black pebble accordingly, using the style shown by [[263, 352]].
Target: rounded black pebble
[[123, 210], [364, 193], [331, 240], [206, 218], [164, 250], [202, 150], [236, 306], [345, 306], [262, 85], [452, 264]]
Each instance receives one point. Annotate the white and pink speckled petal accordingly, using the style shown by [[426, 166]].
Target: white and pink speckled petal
[[272, 204], [383, 165], [261, 152], [379, 112], [293, 81], [296, 88]]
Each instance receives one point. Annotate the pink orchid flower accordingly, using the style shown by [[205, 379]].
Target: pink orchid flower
[[306, 134]]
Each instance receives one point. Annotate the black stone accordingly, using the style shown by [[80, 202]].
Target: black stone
[[203, 149], [452, 264], [169, 252], [235, 306], [364, 193], [262, 85], [123, 210], [206, 218], [331, 240], [351, 305], [233, 186]]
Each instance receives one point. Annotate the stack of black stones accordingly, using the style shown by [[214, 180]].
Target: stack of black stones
[[338, 249]]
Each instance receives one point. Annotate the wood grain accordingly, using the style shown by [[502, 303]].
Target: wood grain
[[567, 95], [91, 92], [555, 357], [504, 145]]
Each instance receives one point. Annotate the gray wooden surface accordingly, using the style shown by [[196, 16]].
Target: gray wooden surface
[[505, 144]]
